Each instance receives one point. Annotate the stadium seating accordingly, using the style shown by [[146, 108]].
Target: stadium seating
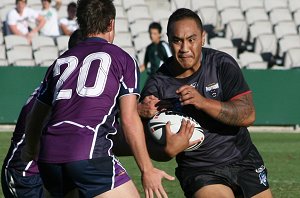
[[264, 28]]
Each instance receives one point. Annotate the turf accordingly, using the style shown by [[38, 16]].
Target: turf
[[281, 153]]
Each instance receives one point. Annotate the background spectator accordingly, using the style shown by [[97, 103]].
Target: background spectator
[[19, 18], [69, 24], [51, 26], [157, 52]]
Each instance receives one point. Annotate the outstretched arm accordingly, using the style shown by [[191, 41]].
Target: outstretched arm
[[134, 134]]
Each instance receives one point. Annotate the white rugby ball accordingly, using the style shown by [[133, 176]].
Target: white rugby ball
[[157, 125]]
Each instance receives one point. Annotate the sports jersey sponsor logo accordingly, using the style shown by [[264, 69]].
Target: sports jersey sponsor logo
[[212, 89], [262, 175], [195, 84]]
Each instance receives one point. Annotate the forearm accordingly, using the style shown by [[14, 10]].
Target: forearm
[[134, 134], [237, 112], [41, 22], [34, 125]]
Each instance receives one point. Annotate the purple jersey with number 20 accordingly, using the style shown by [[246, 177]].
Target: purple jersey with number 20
[[83, 87]]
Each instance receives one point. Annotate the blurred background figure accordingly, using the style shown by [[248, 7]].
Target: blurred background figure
[[157, 52], [69, 24], [51, 27], [19, 18]]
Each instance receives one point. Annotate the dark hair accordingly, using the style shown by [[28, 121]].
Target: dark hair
[[155, 25], [75, 38], [21, 0], [94, 16], [71, 5], [183, 13]]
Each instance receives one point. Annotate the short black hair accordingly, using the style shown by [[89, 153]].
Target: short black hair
[[183, 13], [71, 5], [155, 25], [75, 38]]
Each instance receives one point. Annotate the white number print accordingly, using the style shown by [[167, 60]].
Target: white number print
[[81, 89]]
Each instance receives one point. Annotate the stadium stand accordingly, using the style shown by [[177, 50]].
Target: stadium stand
[[268, 29]]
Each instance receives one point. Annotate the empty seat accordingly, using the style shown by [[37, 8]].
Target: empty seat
[[256, 14], [128, 4], [294, 5], [141, 41], [209, 16], [45, 55], [246, 4], [123, 39], [285, 28], [219, 42], [1, 38], [292, 58], [237, 29], [120, 12], [232, 51], [258, 28], [24, 63], [14, 40], [251, 60], [197, 4], [18, 53], [40, 41], [130, 51], [159, 14], [231, 14], [223, 4], [138, 12], [266, 43], [279, 15], [273, 4], [3, 60], [288, 42], [62, 42], [122, 25], [139, 26], [297, 18], [175, 4]]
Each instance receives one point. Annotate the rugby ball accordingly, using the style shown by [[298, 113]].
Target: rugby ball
[[157, 125]]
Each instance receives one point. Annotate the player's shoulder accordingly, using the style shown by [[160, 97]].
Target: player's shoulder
[[218, 58]]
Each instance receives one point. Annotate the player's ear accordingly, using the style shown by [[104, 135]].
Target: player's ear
[[203, 37], [111, 26], [111, 30]]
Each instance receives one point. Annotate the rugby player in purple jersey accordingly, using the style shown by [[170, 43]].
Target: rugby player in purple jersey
[[74, 114], [18, 178]]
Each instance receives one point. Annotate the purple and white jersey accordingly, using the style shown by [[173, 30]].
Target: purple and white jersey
[[83, 87], [13, 157]]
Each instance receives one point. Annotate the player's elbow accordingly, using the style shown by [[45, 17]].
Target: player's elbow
[[250, 120]]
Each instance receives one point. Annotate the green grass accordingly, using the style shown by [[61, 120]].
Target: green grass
[[281, 153]]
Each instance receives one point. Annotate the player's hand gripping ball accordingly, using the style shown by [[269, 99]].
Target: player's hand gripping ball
[[157, 126]]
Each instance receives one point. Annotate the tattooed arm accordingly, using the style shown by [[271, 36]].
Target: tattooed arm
[[237, 112]]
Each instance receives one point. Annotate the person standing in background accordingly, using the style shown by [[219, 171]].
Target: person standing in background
[[157, 52]]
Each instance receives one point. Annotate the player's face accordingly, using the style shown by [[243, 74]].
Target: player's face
[[154, 35], [185, 41]]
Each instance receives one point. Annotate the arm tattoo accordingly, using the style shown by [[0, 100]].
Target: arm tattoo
[[235, 112]]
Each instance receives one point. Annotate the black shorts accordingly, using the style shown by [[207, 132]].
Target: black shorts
[[14, 184], [246, 178], [91, 177]]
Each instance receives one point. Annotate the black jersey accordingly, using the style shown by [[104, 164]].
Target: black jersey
[[218, 78]]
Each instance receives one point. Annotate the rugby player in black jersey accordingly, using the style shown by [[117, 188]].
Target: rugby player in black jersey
[[210, 87]]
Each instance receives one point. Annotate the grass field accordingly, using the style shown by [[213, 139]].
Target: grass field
[[281, 153]]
